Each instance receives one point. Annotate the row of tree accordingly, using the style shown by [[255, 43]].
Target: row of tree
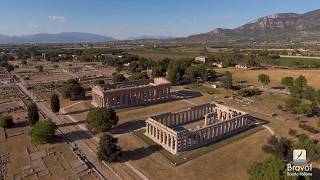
[[303, 98], [281, 150]]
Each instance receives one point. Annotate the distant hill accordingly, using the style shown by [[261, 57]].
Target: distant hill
[[66, 37], [276, 28], [150, 37]]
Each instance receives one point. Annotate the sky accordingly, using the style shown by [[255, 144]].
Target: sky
[[131, 18]]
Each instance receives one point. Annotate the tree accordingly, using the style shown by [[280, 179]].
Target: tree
[[172, 74], [138, 76], [287, 82], [311, 146], [99, 81], [280, 148], [73, 90], [33, 114], [264, 79], [117, 77], [55, 103], [9, 68], [102, 119], [108, 149], [6, 122], [43, 131], [157, 71], [133, 67], [24, 62], [40, 68], [299, 86], [271, 168], [227, 81]]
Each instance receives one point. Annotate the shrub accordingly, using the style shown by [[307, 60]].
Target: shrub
[[249, 92], [43, 131], [292, 132], [308, 128], [6, 122]]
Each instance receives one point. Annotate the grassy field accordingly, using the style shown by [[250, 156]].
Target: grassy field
[[193, 154], [290, 61], [225, 162], [202, 88], [251, 76]]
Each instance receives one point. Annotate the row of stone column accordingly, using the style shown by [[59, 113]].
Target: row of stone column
[[212, 133], [162, 137], [183, 117], [137, 97]]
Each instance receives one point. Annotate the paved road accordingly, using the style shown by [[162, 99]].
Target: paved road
[[79, 137]]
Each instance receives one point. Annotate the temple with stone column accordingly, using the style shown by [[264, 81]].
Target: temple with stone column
[[182, 131], [131, 93]]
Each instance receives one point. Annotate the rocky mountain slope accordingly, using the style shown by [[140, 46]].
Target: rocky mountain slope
[[283, 27]]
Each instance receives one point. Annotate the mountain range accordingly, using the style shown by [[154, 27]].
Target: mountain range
[[66, 37], [282, 28], [276, 28]]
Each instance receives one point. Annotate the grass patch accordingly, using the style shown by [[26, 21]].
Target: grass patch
[[297, 62], [202, 88], [187, 156]]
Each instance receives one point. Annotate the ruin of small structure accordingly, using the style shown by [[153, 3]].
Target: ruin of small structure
[[132, 93], [197, 126]]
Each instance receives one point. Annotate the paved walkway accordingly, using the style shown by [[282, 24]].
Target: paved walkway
[[96, 139]]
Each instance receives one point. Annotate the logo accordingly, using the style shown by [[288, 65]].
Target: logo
[[299, 156], [301, 168]]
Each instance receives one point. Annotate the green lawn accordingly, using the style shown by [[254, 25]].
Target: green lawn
[[202, 88], [187, 156], [289, 61]]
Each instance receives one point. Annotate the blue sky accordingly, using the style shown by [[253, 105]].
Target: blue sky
[[129, 18]]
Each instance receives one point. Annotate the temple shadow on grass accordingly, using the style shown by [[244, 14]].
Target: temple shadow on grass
[[128, 126], [139, 153]]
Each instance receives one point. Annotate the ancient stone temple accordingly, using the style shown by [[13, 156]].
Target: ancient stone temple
[[132, 93], [197, 126]]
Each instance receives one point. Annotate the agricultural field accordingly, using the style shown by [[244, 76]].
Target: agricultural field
[[162, 53], [251, 76], [296, 61]]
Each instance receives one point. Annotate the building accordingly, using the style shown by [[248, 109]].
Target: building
[[239, 66], [132, 93], [219, 65], [182, 131], [201, 59]]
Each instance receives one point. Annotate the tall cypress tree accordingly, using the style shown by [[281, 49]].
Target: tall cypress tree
[[55, 103], [33, 114], [108, 149]]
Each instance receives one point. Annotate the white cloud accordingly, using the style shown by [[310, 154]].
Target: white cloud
[[56, 18]]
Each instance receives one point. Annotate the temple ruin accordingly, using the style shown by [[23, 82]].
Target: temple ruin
[[182, 131], [132, 93]]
